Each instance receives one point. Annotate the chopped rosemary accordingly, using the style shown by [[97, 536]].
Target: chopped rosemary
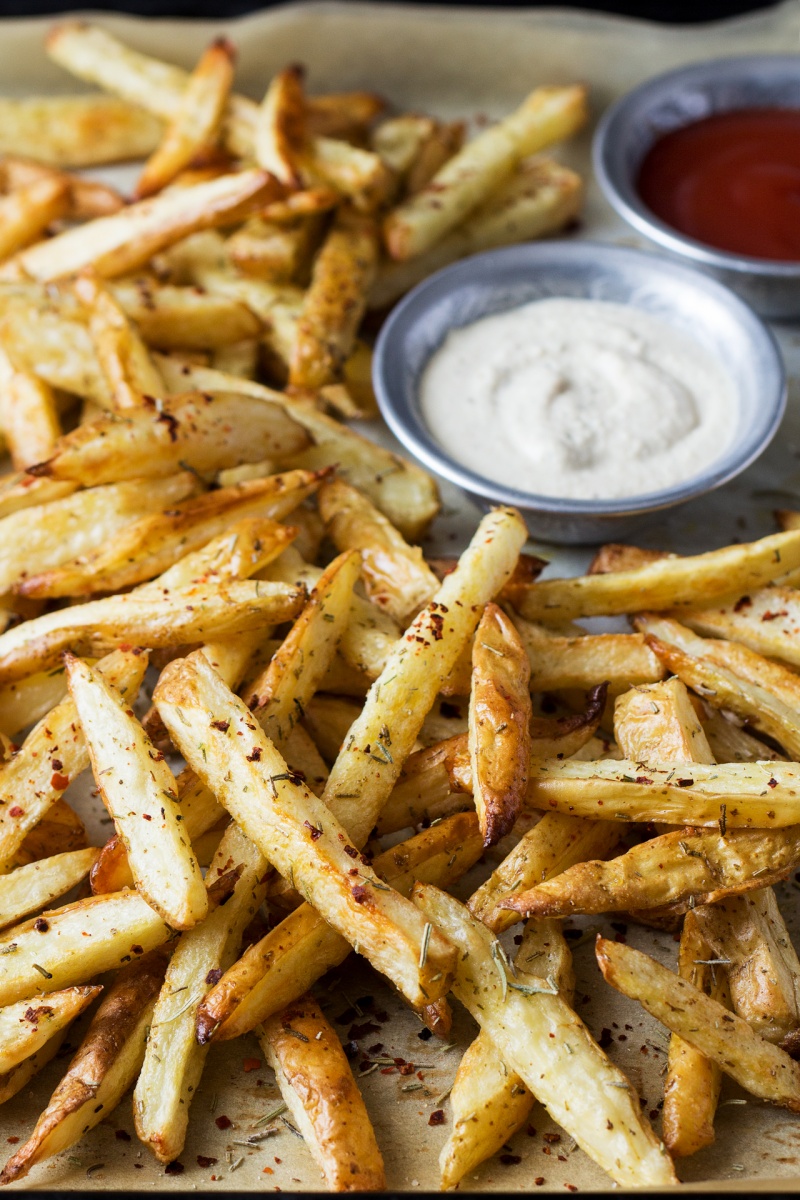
[[426, 937]]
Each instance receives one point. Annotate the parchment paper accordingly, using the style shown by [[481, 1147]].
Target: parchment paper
[[453, 63]]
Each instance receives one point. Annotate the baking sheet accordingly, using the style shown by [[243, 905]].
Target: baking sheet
[[453, 63]]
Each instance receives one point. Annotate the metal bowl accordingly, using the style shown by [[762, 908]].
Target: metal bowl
[[503, 279], [630, 127]]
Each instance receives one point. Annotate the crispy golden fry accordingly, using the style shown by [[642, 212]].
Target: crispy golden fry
[[56, 348], [28, 413], [193, 130], [423, 786], [138, 789], [499, 724], [182, 616], [399, 141], [53, 753], [763, 971], [466, 180], [151, 545], [550, 1048], [26, 1026], [173, 1062], [60, 831], [621, 659], [81, 940], [665, 583], [446, 140], [766, 620], [294, 829], [32, 887], [185, 318], [125, 241], [490, 1102], [761, 1068], [76, 131], [539, 199], [657, 722], [405, 493], [206, 433], [730, 676], [293, 956], [124, 359], [105, 1065], [396, 576], [359, 175], [617, 556], [26, 213], [342, 114], [692, 1086], [318, 1087], [334, 304], [46, 535], [87, 197], [280, 133], [275, 252]]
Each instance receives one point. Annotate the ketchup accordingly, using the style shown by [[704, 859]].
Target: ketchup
[[731, 181]]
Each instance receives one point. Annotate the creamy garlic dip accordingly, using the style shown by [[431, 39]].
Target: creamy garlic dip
[[578, 398]]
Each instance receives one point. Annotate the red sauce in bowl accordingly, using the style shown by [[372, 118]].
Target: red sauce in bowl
[[731, 181]]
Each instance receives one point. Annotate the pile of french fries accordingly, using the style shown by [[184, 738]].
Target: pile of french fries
[[198, 559]]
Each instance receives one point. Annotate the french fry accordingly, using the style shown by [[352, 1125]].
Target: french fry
[[25, 1027], [665, 583], [423, 787], [280, 132], [318, 1087], [173, 1061], [20, 1076], [499, 724], [765, 620], [60, 831], [396, 576], [763, 971], [520, 1014], [621, 659], [275, 252], [185, 615], [657, 721], [28, 413], [26, 213], [125, 241], [334, 304], [193, 130], [76, 131], [342, 114], [357, 174], [36, 885], [291, 958], [692, 1086], [105, 1065], [19, 490], [617, 556], [184, 318], [761, 1068], [730, 743], [138, 790], [53, 753], [56, 348], [124, 359], [732, 676], [87, 197], [296, 831], [328, 719], [547, 115], [446, 140]]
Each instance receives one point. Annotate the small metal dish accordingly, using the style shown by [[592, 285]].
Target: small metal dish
[[503, 279], [630, 127]]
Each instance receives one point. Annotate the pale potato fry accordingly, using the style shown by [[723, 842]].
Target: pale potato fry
[[46, 535], [396, 576], [550, 1048], [665, 583], [761, 1068], [138, 790], [749, 933], [21, 1075], [357, 174], [446, 140], [280, 132], [730, 743], [193, 131], [28, 413], [56, 348], [105, 1065], [692, 1086], [19, 490], [405, 493], [399, 141], [173, 1062], [32, 887], [277, 253], [125, 241], [730, 676], [76, 131], [617, 556], [53, 753], [87, 197], [184, 318], [296, 831], [499, 724], [328, 719], [81, 940], [318, 1087], [656, 721], [124, 359], [182, 616], [60, 831], [621, 659], [766, 620], [151, 545], [26, 1026], [334, 304], [26, 213], [292, 957], [342, 114], [539, 199], [423, 786]]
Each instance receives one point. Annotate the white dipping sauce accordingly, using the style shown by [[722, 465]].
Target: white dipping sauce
[[578, 398]]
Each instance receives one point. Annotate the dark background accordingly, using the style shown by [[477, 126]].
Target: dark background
[[680, 11]]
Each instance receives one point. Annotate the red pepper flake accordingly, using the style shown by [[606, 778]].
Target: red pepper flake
[[407, 1069], [742, 602], [213, 977], [255, 754], [251, 1064], [59, 782], [388, 1070], [137, 949], [222, 726], [223, 1122], [313, 830], [684, 782], [351, 851], [12, 1141], [772, 783], [552, 1138], [437, 1117], [360, 893], [510, 1160], [539, 1180], [40, 925], [278, 1160], [773, 616], [643, 779], [268, 1171], [204, 1161], [174, 1168], [570, 1187], [146, 817], [16, 811]]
